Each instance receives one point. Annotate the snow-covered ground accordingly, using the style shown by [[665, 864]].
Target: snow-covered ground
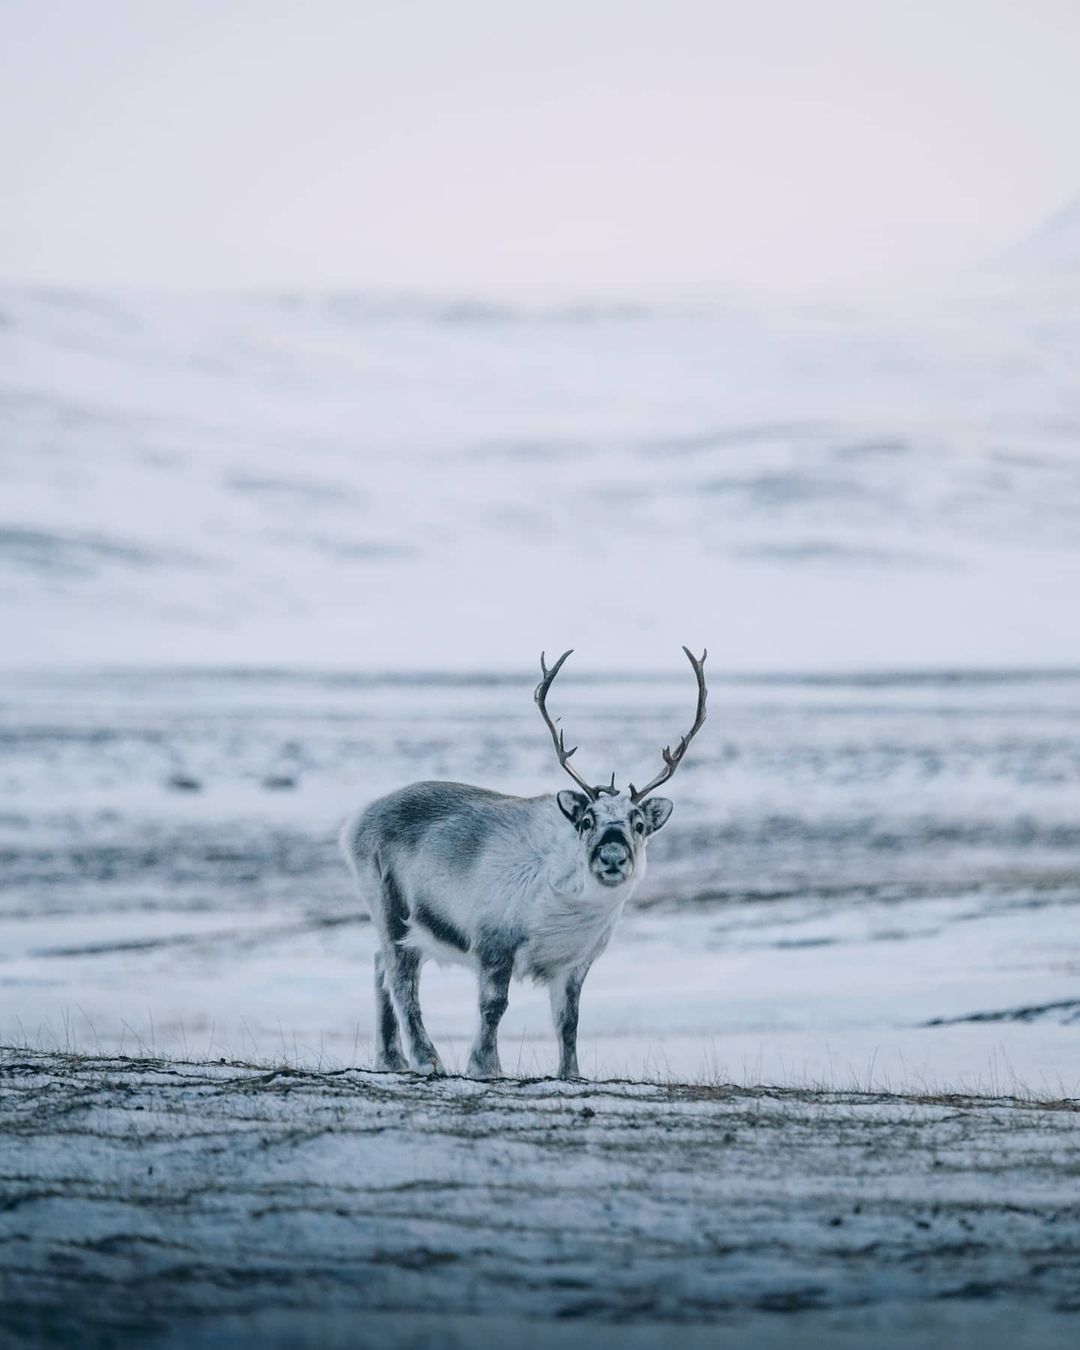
[[161, 1203], [263, 558], [224, 519], [871, 883]]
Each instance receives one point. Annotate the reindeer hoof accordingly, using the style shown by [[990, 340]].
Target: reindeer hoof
[[484, 1069]]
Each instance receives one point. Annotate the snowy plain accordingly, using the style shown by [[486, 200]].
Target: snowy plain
[[263, 558], [864, 882]]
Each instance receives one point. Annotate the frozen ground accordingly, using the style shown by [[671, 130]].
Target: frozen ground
[[162, 1203]]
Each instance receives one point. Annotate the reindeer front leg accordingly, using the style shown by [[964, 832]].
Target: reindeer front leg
[[565, 997], [496, 967]]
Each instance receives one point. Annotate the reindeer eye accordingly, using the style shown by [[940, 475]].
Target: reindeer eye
[[587, 822], [639, 828]]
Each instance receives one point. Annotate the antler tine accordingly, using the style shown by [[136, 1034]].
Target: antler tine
[[672, 759], [540, 695]]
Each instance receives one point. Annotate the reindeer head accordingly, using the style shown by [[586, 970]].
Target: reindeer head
[[613, 831], [615, 826]]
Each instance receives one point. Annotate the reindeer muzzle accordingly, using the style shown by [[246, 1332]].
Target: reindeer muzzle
[[612, 859]]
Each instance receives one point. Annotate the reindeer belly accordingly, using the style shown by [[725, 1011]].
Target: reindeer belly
[[434, 935]]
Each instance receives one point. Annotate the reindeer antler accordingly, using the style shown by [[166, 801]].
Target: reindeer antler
[[540, 695], [673, 760]]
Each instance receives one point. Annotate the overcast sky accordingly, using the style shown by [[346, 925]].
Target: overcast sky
[[596, 147]]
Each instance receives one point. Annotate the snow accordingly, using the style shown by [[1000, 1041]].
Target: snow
[[863, 882], [1052, 250], [249, 479], [148, 1200], [264, 558]]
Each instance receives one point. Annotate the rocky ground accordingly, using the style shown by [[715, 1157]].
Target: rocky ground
[[147, 1201]]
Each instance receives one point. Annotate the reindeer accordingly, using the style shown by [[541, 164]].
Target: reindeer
[[512, 886]]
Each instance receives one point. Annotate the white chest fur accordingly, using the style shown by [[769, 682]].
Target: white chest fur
[[569, 929]]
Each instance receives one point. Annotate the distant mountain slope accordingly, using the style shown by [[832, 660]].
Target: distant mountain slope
[[1053, 247], [289, 478]]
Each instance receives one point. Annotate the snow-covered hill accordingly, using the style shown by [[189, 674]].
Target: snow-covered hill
[[1053, 248], [331, 480]]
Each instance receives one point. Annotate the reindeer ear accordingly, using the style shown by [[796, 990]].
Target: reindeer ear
[[656, 811], [571, 804]]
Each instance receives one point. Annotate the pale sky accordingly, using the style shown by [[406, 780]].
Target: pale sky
[[496, 147]]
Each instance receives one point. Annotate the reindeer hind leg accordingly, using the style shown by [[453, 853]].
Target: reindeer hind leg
[[402, 979], [388, 1053]]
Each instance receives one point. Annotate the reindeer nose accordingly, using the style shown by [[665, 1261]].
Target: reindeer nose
[[613, 854]]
